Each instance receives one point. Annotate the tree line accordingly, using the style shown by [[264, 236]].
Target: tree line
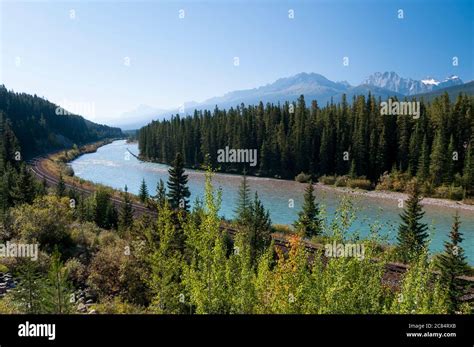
[[41, 128], [338, 139]]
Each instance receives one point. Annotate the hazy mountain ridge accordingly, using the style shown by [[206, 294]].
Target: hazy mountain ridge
[[313, 86]]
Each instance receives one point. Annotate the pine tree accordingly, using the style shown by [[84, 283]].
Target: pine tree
[[24, 190], [452, 263], [160, 193], [438, 159], [259, 228], [178, 191], [56, 291], [308, 222], [126, 214], [28, 291], [424, 161], [449, 175], [166, 267], [61, 186], [105, 214], [468, 171], [244, 202], [143, 192], [412, 233]]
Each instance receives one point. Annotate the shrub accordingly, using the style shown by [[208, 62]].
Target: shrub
[[328, 180], [456, 193], [361, 183], [68, 171], [302, 177], [441, 192], [341, 181], [3, 268], [282, 228]]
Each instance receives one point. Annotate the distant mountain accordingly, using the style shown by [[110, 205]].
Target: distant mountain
[[135, 119], [453, 91], [314, 87], [407, 86], [41, 126]]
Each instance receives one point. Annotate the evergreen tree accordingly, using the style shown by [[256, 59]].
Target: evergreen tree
[[438, 159], [308, 222], [126, 214], [259, 228], [468, 171], [424, 161], [178, 191], [105, 214], [450, 163], [24, 191], [166, 267], [143, 192], [412, 233], [61, 186], [244, 202], [28, 291], [56, 293], [452, 263], [160, 193]]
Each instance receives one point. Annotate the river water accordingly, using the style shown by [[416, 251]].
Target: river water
[[113, 166]]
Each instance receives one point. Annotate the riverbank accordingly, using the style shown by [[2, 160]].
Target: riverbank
[[389, 195], [376, 194]]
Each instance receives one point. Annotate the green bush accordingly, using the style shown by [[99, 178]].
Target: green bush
[[3, 268], [282, 228], [328, 180], [302, 177], [341, 181], [360, 183], [442, 192], [456, 193]]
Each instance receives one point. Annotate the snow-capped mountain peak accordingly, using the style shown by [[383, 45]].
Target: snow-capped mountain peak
[[408, 86], [430, 81]]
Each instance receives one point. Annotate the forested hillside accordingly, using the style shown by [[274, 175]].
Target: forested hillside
[[338, 139], [39, 128]]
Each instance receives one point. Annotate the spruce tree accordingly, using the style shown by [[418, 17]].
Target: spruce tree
[[452, 263], [424, 161], [126, 214], [24, 190], [28, 291], [56, 291], [438, 159], [178, 191], [143, 192], [160, 193], [61, 186], [449, 175], [468, 171], [308, 222], [244, 202], [412, 233], [259, 228]]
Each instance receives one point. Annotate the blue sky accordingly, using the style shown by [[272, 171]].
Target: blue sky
[[172, 60]]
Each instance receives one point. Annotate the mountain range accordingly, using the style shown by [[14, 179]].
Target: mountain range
[[312, 85]]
